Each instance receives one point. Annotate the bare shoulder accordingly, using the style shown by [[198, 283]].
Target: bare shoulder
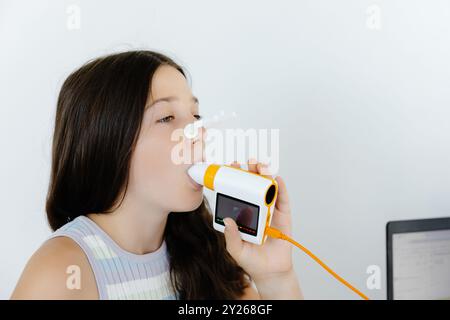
[[59, 269]]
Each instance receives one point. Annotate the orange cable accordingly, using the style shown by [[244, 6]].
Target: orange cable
[[274, 233]]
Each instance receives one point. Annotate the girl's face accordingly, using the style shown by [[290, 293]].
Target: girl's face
[[156, 176]]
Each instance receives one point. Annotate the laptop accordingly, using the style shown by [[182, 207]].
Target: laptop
[[418, 259]]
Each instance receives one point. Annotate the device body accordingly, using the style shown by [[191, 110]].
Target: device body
[[247, 197]]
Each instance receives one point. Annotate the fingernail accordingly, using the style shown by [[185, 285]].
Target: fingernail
[[226, 222]]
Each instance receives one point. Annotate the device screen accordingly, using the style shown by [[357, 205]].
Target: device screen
[[244, 213], [421, 265]]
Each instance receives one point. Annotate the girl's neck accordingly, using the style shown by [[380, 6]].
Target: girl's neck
[[135, 228]]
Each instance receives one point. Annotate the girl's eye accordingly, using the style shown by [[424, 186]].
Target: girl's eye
[[170, 118], [165, 119]]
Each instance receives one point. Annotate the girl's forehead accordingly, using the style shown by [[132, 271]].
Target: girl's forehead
[[168, 81]]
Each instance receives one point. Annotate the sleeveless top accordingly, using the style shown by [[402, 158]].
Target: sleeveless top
[[120, 274]]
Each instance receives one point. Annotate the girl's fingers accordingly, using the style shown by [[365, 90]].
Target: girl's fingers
[[252, 165], [282, 202], [233, 239], [282, 219], [263, 169], [235, 164], [255, 167], [259, 168]]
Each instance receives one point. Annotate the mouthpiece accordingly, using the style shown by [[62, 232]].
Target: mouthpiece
[[197, 172]]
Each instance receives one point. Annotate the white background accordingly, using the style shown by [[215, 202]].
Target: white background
[[363, 113]]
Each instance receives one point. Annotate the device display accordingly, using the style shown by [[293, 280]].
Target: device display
[[244, 213]]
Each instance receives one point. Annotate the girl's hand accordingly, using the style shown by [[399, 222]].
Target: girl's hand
[[273, 259]]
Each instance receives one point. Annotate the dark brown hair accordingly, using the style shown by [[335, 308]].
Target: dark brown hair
[[99, 113]]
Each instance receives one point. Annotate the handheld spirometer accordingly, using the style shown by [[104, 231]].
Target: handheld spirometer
[[249, 199], [246, 197]]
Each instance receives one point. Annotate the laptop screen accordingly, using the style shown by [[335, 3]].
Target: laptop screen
[[421, 265]]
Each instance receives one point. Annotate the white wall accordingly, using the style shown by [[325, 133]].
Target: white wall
[[363, 113]]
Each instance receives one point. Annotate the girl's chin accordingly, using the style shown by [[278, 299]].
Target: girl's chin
[[190, 203]]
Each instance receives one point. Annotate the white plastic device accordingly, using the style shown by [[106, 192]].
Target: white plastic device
[[247, 197]]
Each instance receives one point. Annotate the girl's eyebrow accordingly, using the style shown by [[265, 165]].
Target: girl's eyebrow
[[173, 98]]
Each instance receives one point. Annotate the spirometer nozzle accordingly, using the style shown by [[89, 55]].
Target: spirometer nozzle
[[197, 172]]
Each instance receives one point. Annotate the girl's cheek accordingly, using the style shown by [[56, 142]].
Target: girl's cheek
[[164, 143]]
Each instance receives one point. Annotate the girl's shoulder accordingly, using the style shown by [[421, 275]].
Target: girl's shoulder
[[59, 269]]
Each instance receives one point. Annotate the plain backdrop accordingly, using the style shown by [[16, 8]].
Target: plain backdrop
[[359, 90]]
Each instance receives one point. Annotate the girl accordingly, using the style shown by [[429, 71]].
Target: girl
[[129, 223]]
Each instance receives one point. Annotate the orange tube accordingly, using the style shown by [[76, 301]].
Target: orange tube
[[274, 233]]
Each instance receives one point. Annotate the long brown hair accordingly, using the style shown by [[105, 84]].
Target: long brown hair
[[99, 113]]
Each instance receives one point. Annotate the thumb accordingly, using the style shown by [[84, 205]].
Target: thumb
[[232, 238]]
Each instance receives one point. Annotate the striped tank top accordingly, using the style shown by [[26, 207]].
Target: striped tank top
[[120, 274]]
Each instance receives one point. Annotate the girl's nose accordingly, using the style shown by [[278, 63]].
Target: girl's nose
[[197, 145]]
